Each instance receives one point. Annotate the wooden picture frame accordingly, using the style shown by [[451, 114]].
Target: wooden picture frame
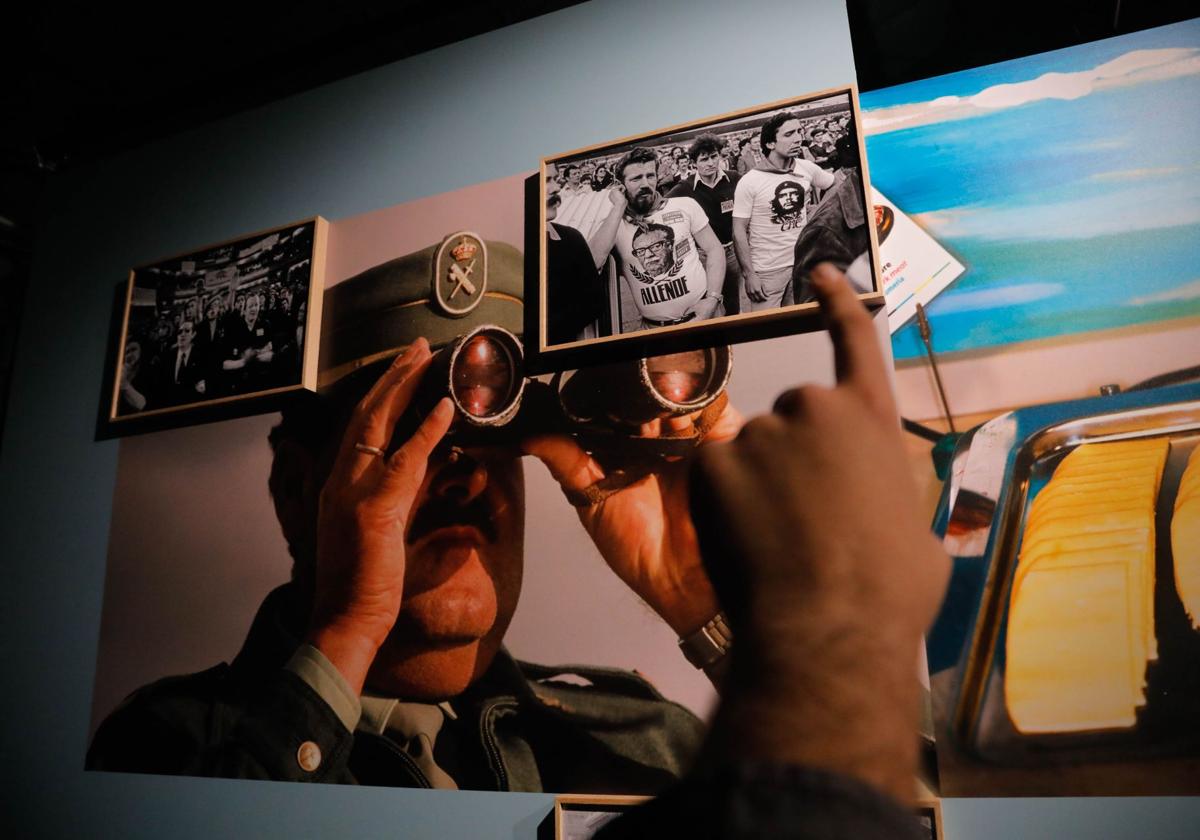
[[931, 810], [657, 302], [224, 330], [580, 816]]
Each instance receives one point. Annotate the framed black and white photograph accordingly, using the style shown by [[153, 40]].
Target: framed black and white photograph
[[222, 330], [580, 817], [697, 234], [929, 818]]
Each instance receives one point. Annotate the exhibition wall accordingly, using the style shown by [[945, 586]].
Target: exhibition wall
[[478, 110]]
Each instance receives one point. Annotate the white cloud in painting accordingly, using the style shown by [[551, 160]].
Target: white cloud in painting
[[1136, 174], [1188, 291], [982, 299], [1132, 203], [1132, 68], [1107, 144]]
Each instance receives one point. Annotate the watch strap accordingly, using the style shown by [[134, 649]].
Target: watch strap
[[708, 644]]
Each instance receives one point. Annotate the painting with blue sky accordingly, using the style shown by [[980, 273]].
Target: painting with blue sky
[[1067, 183]]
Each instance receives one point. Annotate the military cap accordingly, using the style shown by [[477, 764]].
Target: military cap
[[439, 292]]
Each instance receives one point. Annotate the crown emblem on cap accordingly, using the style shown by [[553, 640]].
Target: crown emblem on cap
[[464, 250], [459, 274]]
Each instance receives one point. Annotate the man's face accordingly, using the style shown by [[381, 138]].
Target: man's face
[[708, 165], [252, 307], [654, 251], [788, 139], [464, 559], [573, 177], [641, 183], [553, 199], [187, 332], [213, 310], [789, 197], [133, 354]]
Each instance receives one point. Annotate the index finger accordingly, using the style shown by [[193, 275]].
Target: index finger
[[857, 358], [376, 414]]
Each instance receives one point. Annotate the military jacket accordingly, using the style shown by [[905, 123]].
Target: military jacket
[[520, 727]]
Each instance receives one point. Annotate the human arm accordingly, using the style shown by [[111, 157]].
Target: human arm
[[364, 507], [822, 179], [601, 242], [814, 737], [828, 604], [238, 362], [265, 353], [644, 531], [134, 398], [741, 247], [714, 271]]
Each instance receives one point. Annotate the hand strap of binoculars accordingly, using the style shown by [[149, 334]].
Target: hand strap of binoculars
[[617, 480]]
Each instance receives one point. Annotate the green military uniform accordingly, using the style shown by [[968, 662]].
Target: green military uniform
[[520, 727]]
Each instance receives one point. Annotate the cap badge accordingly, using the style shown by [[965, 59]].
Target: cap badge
[[460, 273]]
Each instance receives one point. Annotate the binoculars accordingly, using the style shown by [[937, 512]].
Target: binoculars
[[603, 407]]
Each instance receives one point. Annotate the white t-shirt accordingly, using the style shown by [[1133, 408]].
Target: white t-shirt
[[776, 205], [675, 278]]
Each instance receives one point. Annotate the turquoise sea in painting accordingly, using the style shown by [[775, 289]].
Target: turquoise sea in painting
[[1067, 183]]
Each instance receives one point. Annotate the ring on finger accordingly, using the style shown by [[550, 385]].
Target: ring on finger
[[368, 449]]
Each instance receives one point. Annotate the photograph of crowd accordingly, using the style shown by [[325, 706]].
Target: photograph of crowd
[[223, 323], [711, 220]]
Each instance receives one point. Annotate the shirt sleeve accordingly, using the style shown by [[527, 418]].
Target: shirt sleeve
[[697, 218], [310, 665], [743, 198], [821, 178]]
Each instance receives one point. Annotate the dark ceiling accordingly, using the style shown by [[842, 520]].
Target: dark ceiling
[[103, 78]]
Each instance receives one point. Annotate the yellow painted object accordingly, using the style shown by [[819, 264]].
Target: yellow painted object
[[1081, 613], [1185, 538], [1071, 651]]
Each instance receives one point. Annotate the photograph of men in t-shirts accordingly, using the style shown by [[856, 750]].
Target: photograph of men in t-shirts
[[770, 210]]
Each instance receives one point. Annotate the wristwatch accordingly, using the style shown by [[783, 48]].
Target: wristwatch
[[708, 644]]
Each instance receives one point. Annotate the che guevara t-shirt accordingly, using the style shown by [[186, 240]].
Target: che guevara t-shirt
[[775, 204], [665, 286]]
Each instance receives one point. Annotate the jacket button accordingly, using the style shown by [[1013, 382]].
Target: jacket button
[[308, 756]]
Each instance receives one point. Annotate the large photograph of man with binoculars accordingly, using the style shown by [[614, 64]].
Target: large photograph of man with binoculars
[[717, 220], [459, 577]]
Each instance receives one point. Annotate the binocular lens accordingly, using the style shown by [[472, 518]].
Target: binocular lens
[[632, 393], [680, 378], [482, 372], [682, 382], [485, 376]]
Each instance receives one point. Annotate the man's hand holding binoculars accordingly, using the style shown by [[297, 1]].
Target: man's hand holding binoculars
[[365, 507], [644, 531]]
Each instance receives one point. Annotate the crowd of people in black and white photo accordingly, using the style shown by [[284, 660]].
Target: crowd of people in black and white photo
[[203, 341], [706, 224]]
